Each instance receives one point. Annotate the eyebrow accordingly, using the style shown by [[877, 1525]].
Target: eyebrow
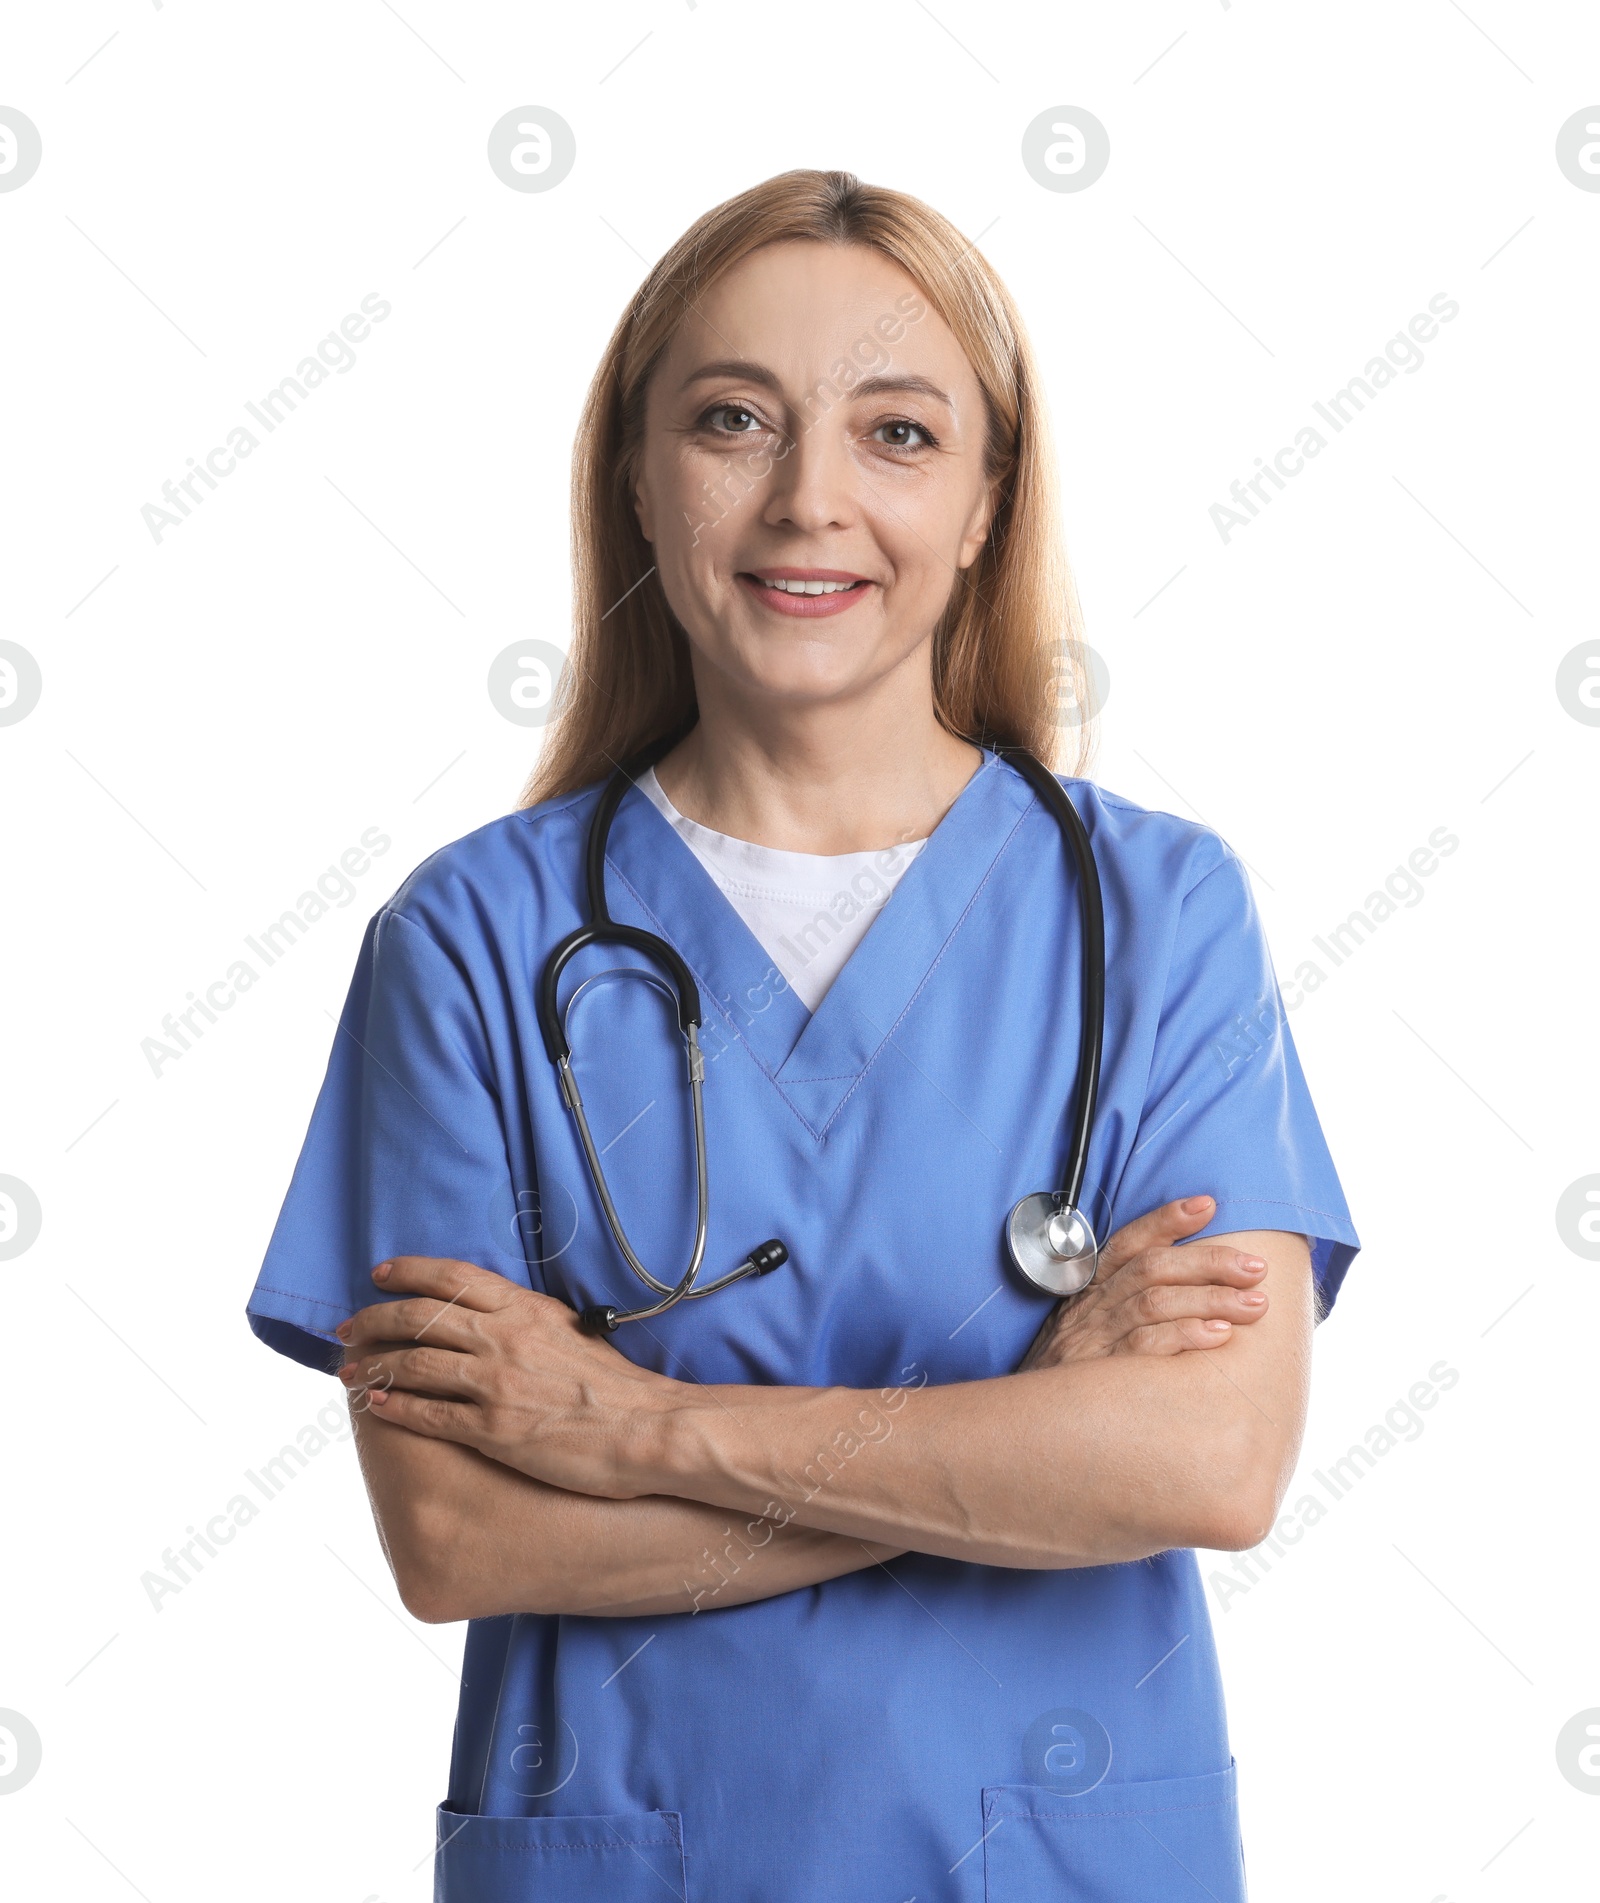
[[737, 368]]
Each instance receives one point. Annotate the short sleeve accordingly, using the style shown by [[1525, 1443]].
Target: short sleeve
[[1227, 1112], [405, 1154]]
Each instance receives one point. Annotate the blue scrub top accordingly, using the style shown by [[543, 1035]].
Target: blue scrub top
[[928, 1728]]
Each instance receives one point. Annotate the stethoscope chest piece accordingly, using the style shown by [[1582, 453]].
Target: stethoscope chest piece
[[1052, 1243]]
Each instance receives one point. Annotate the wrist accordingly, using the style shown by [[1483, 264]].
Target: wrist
[[710, 1445], [657, 1453]]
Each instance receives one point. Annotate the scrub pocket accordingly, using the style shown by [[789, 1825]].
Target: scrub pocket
[[633, 1858], [1173, 1840]]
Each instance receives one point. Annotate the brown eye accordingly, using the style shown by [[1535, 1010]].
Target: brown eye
[[743, 422], [898, 434]]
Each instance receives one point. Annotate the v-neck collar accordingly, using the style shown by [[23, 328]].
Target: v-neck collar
[[815, 1060]]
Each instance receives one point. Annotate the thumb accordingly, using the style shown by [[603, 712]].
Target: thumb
[[1164, 1225]]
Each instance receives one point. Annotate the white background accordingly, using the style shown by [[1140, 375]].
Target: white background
[[226, 711]]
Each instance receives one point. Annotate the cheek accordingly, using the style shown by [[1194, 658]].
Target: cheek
[[700, 507], [922, 518], [693, 556], [922, 541], [671, 523]]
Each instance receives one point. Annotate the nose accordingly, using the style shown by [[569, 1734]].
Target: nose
[[814, 487]]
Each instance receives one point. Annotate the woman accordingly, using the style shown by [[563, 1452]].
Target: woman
[[869, 1578]]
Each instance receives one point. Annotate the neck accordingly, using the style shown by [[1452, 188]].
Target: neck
[[852, 777]]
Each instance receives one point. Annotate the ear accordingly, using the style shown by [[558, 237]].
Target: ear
[[643, 503], [976, 532]]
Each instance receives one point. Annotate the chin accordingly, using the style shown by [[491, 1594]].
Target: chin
[[799, 687], [801, 663]]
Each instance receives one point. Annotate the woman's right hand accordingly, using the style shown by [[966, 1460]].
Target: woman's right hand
[[1150, 1297]]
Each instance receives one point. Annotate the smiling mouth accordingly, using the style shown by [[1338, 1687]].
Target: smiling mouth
[[784, 586], [809, 594]]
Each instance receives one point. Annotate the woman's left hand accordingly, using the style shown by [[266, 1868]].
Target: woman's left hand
[[1152, 1297], [471, 1357]]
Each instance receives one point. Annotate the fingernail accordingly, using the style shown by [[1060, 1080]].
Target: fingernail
[[1251, 1262], [343, 1331], [1215, 1328], [378, 1396], [1252, 1301], [1195, 1204], [381, 1272]]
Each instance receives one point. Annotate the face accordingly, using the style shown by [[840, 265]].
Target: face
[[811, 478]]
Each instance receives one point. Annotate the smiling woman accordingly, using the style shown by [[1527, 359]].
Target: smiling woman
[[815, 1588], [920, 363]]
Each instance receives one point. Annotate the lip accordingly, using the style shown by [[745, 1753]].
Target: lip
[[806, 607], [807, 574]]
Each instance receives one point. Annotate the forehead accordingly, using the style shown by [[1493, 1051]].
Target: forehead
[[799, 306]]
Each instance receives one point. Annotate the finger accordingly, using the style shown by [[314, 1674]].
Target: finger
[[1174, 1338], [1160, 1226], [416, 1318], [428, 1416], [445, 1279], [1167, 1302], [1192, 1263], [361, 1399], [415, 1370], [1036, 1347]]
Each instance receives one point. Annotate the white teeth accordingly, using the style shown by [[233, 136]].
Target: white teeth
[[811, 587]]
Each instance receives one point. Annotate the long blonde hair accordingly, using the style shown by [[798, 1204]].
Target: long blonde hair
[[1007, 654]]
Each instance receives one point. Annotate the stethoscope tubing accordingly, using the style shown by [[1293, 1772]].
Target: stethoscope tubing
[[669, 1292], [1091, 913], [602, 929]]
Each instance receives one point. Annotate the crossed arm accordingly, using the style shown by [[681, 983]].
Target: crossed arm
[[517, 1465]]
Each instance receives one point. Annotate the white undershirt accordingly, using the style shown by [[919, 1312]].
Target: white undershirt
[[808, 910]]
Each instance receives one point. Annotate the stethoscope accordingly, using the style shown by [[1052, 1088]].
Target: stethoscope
[[1050, 1239]]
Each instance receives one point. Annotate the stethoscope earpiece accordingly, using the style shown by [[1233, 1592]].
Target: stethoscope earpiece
[[600, 1318]]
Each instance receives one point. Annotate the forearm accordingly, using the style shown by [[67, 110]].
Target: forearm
[[467, 1538], [1075, 1463], [1083, 1466], [1087, 1463]]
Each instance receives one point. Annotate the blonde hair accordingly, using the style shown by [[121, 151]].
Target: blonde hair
[[1008, 644]]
